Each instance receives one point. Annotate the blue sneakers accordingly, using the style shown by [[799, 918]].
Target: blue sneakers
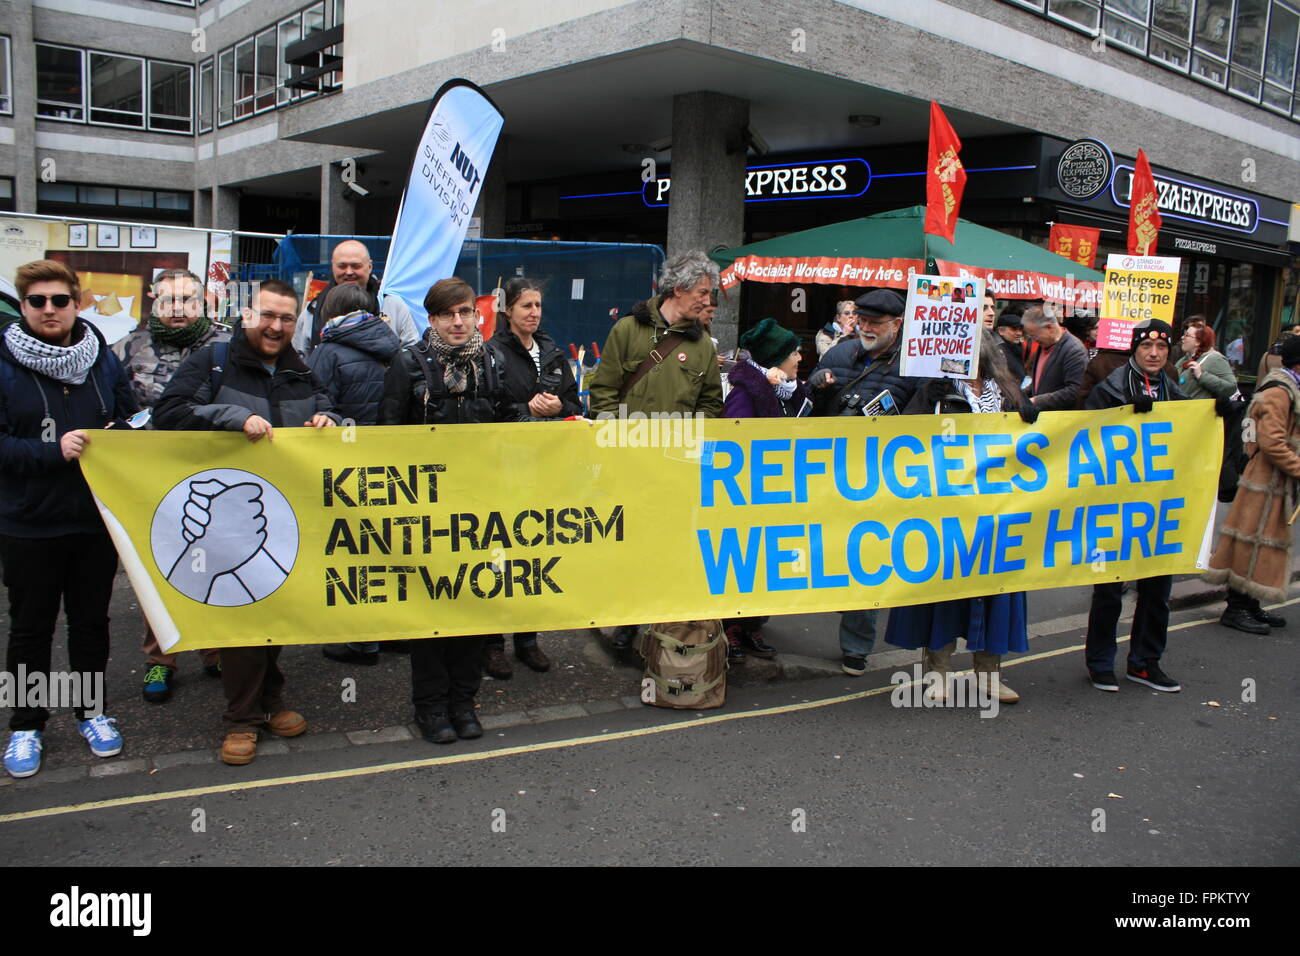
[[23, 755], [102, 736]]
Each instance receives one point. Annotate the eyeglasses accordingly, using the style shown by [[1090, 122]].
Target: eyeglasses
[[465, 314], [272, 316], [60, 301], [876, 320]]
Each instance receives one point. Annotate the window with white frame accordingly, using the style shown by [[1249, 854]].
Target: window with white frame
[[206, 89], [113, 89], [252, 76]]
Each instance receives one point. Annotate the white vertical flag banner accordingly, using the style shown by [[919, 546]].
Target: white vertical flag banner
[[446, 178]]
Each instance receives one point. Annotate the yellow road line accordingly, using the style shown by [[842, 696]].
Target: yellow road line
[[512, 751]]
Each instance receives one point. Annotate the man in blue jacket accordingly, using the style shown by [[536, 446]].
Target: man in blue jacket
[[59, 382]]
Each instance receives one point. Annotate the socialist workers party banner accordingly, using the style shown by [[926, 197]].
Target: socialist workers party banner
[[1144, 220], [342, 534], [941, 326], [1074, 242], [945, 177], [445, 181], [1136, 288]]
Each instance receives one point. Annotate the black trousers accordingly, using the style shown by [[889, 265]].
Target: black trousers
[[446, 673], [75, 570], [521, 640], [1241, 601], [1150, 623]]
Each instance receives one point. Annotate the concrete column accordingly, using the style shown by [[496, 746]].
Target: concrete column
[[22, 67], [203, 208], [707, 202], [338, 216], [225, 208], [491, 206]]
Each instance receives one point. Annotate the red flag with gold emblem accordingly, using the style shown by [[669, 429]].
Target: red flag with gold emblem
[[1143, 212], [1075, 242], [945, 177]]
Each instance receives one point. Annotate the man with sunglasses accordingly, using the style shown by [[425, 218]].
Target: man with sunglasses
[[59, 384], [847, 381], [259, 386]]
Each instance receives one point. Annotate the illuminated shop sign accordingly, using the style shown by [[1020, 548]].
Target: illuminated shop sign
[[1182, 200], [783, 182]]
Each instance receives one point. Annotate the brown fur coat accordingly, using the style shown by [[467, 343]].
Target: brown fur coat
[[1253, 553]]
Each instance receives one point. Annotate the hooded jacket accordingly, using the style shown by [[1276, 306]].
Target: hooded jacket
[[687, 381], [286, 399], [41, 494], [351, 362], [306, 335], [520, 378]]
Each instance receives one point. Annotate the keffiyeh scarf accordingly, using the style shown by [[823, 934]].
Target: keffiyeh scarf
[[69, 365]]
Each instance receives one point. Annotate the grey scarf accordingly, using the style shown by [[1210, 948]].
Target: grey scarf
[[69, 365]]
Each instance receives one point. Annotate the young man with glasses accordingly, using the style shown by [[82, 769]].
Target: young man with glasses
[[261, 384], [59, 384]]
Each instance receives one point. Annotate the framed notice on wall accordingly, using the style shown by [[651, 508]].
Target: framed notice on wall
[[144, 237], [106, 236], [78, 235]]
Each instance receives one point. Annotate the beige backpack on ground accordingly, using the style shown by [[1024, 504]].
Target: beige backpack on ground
[[685, 665]]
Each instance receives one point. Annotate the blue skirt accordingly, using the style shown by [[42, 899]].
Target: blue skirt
[[995, 624]]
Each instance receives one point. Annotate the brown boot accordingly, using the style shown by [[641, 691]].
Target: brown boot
[[495, 662], [938, 662], [286, 723], [239, 748], [988, 671], [533, 656]]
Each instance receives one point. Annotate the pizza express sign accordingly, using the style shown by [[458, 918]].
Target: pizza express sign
[[1182, 200], [821, 179]]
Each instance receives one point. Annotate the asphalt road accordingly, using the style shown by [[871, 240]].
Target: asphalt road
[[795, 772]]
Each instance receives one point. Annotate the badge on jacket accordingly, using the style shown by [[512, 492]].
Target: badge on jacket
[[681, 356]]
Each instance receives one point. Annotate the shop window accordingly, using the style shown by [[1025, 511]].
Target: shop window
[[116, 90], [170, 96], [6, 80], [206, 79], [1083, 13], [60, 83]]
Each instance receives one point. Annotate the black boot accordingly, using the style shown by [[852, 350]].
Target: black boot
[[435, 727], [466, 724], [1266, 617], [1240, 619], [624, 636]]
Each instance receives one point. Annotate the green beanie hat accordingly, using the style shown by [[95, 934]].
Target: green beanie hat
[[769, 344]]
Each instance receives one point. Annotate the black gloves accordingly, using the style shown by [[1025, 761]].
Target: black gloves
[[936, 390], [1142, 403], [1223, 407], [1028, 412]]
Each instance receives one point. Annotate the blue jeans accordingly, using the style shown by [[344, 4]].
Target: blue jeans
[[369, 647], [858, 632]]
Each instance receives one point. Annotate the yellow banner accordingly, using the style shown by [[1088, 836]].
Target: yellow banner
[[348, 534]]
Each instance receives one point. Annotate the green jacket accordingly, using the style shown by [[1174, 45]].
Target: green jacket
[[687, 381], [1216, 381]]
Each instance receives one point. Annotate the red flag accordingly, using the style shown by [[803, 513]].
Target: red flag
[[1075, 242], [1143, 214], [945, 177]]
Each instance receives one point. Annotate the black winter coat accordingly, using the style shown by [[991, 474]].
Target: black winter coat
[[41, 494], [351, 363], [846, 362], [409, 401], [520, 377], [1117, 389], [286, 399]]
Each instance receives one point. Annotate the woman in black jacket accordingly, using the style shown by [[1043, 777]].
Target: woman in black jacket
[[447, 378], [356, 347], [540, 383]]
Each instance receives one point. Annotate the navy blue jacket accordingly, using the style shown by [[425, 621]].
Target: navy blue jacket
[[351, 363], [41, 495], [846, 361]]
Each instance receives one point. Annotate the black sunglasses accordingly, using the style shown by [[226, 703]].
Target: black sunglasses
[[38, 301]]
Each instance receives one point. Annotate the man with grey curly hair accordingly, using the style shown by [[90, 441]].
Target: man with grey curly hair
[[665, 330], [660, 359]]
